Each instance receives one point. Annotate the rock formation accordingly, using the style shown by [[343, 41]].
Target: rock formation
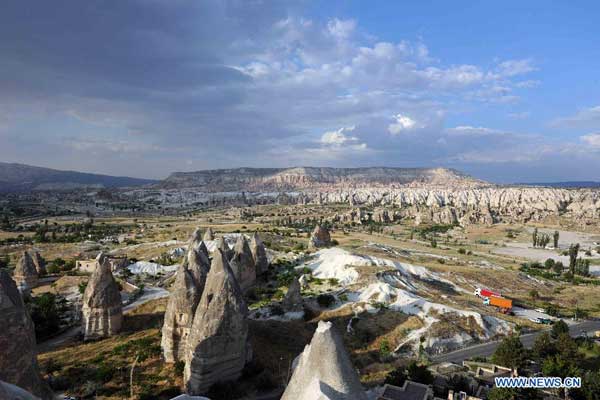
[[259, 254], [198, 265], [209, 234], [217, 347], [324, 371], [224, 247], [179, 315], [293, 298], [25, 274], [319, 238], [242, 264], [202, 247], [283, 180], [40, 264], [12, 392], [102, 309], [18, 358]]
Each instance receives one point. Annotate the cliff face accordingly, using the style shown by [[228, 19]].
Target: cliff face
[[277, 179]]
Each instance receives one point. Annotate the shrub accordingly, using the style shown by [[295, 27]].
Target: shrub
[[325, 300], [462, 251]]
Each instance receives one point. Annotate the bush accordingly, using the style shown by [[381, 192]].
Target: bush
[[462, 251], [325, 300]]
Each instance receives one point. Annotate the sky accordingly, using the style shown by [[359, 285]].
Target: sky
[[505, 91]]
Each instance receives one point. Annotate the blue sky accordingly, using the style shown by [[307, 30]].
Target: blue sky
[[506, 91]]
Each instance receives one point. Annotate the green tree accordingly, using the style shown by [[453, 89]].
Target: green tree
[[558, 366], [45, 314], [559, 328], [566, 347], [419, 373], [573, 251], [512, 394], [558, 267], [534, 237], [555, 237], [543, 347], [510, 353], [534, 295]]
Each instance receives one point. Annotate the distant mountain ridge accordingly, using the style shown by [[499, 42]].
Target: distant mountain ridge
[[16, 177], [566, 184], [317, 178]]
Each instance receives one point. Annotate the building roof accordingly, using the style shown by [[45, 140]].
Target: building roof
[[409, 391]]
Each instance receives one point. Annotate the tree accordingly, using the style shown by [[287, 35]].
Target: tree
[[534, 237], [566, 347], [573, 252], [543, 347], [549, 263], [45, 314], [559, 328], [419, 373], [510, 353], [558, 267], [558, 366], [396, 377], [534, 295], [512, 394], [582, 267], [555, 237]]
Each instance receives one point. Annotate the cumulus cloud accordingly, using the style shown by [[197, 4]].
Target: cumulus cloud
[[402, 123], [228, 84], [338, 137]]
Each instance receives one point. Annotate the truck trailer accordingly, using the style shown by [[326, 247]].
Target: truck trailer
[[486, 293], [504, 304]]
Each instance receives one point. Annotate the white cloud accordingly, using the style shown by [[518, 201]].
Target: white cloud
[[338, 137], [585, 118], [341, 29], [512, 68], [467, 130], [402, 124], [519, 115], [592, 139]]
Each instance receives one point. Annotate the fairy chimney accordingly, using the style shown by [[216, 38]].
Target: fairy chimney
[[102, 310], [18, 358], [25, 274], [179, 315], [259, 254], [242, 264], [324, 370], [217, 347]]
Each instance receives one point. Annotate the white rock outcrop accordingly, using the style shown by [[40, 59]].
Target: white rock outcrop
[[324, 371]]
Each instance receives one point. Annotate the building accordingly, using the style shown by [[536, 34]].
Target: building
[[116, 263]]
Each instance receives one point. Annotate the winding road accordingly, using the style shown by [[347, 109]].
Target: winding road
[[487, 349]]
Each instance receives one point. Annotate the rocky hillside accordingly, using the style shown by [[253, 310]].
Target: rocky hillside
[[23, 178], [314, 178]]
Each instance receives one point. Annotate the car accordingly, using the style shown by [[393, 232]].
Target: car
[[540, 310], [535, 320]]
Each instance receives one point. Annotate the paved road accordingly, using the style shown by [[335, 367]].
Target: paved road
[[487, 349]]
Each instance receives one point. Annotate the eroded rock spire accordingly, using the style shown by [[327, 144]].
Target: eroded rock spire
[[217, 346], [324, 370], [102, 310]]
